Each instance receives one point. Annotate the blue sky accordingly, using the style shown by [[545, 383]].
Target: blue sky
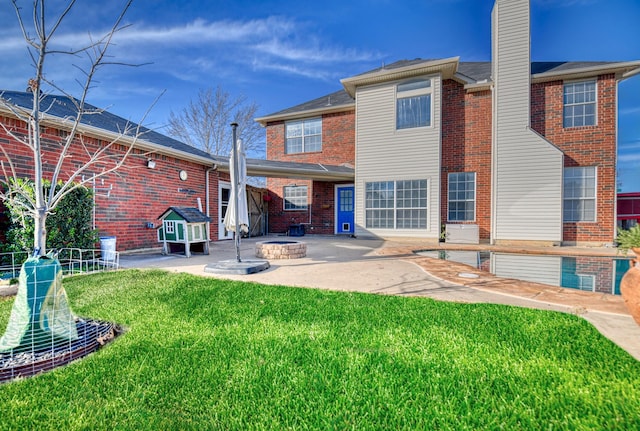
[[280, 53]]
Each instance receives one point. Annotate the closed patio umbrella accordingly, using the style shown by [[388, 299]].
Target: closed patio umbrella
[[237, 217]]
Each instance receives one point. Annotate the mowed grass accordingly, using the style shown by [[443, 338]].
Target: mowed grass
[[201, 353]]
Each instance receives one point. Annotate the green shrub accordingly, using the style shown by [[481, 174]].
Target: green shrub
[[628, 239], [68, 226]]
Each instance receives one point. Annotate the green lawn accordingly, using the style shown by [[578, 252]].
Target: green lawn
[[201, 353]]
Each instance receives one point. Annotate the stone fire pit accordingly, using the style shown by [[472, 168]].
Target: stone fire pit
[[281, 249]]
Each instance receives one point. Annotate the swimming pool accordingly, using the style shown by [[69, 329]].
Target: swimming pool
[[588, 273]]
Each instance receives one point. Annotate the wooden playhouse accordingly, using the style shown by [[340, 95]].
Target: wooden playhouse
[[182, 228]]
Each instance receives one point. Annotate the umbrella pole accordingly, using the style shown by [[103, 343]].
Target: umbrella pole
[[236, 187]]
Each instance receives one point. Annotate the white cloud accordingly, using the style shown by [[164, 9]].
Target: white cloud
[[563, 3], [630, 110], [311, 53], [626, 158], [292, 69], [202, 46]]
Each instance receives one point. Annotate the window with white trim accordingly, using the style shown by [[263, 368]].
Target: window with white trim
[[580, 194], [396, 204], [303, 136], [413, 104], [579, 100], [170, 226], [462, 196], [295, 198]]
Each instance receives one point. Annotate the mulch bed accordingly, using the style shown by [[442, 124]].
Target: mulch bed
[[92, 334]]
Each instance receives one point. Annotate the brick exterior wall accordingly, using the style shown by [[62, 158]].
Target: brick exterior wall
[[466, 147], [338, 148], [583, 146], [138, 194]]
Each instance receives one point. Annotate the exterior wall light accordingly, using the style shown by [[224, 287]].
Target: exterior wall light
[[151, 164]]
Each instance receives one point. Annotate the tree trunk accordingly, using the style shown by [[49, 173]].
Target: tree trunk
[[40, 232]]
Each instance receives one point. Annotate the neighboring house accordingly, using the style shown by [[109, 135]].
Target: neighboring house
[[516, 151], [628, 210]]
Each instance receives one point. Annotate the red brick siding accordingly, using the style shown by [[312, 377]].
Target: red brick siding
[[138, 194], [319, 218], [338, 148], [466, 147], [583, 146], [600, 269]]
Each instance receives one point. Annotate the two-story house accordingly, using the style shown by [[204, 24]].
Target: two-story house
[[511, 150]]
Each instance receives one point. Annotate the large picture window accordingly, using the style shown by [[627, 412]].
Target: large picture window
[[413, 104], [304, 136], [579, 194], [579, 104], [295, 198], [396, 204], [462, 196]]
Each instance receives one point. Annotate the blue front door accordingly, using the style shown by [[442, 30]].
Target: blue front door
[[344, 205]]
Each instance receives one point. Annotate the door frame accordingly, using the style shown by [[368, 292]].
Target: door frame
[[221, 228], [336, 206]]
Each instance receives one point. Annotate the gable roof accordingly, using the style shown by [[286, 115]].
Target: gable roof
[[475, 75], [337, 101], [190, 215]]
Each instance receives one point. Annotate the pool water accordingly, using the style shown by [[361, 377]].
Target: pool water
[[588, 273]]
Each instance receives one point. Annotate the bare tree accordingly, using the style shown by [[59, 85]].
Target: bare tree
[[204, 123], [96, 161]]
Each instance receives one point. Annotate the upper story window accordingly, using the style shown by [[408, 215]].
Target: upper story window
[[303, 136], [579, 104], [295, 198], [413, 104]]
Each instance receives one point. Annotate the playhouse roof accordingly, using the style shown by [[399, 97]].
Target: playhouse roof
[[190, 215]]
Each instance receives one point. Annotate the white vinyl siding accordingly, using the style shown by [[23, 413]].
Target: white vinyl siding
[[579, 99], [580, 194], [303, 136], [462, 196], [526, 168], [534, 268], [384, 153], [295, 198]]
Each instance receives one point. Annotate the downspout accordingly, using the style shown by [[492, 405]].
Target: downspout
[[615, 206], [207, 200], [494, 163], [494, 128]]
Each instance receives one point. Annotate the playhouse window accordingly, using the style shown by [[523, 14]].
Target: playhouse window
[[170, 226]]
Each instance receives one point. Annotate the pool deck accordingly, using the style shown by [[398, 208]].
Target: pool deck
[[392, 267]]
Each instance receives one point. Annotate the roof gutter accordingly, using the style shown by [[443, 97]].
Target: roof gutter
[[623, 70], [446, 66], [262, 168], [308, 113], [139, 142]]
